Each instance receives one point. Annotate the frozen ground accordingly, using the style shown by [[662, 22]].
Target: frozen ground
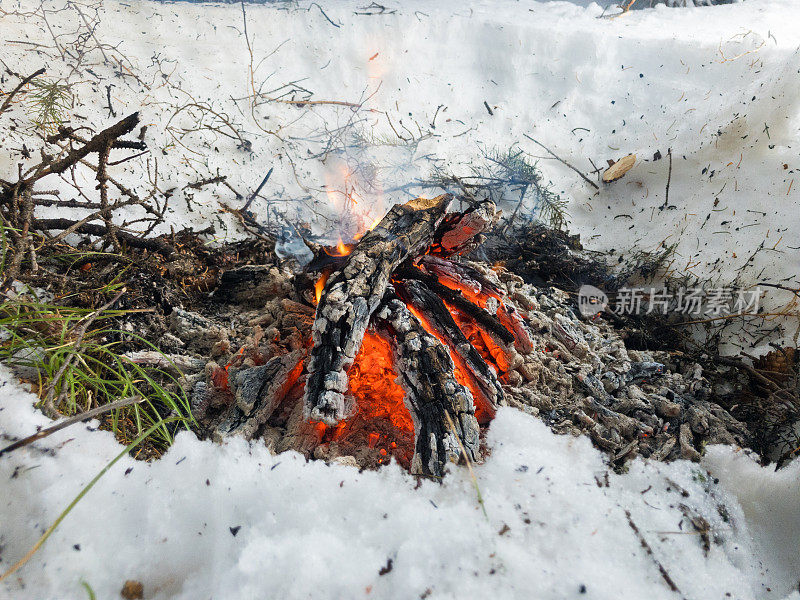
[[555, 522], [718, 86]]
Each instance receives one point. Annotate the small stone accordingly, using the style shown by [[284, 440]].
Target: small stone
[[132, 590], [514, 378]]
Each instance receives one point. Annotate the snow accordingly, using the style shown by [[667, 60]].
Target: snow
[[770, 501], [718, 86], [556, 522]]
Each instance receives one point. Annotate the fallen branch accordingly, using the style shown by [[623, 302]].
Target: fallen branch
[[258, 189], [669, 178], [89, 414], [650, 553], [327, 18], [96, 144], [562, 161], [154, 244], [15, 91]]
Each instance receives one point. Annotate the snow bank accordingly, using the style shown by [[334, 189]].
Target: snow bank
[[237, 522], [771, 504]]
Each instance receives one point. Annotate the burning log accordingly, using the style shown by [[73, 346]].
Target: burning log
[[460, 232], [352, 293], [427, 374], [481, 290], [258, 391], [442, 374], [457, 300], [431, 311]]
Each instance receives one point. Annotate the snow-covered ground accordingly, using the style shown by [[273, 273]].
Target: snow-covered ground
[[436, 84], [237, 522]]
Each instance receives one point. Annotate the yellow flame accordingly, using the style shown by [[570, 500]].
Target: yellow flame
[[319, 286]]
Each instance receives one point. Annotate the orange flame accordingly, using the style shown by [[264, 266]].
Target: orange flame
[[482, 341], [350, 197], [320, 285], [341, 249]]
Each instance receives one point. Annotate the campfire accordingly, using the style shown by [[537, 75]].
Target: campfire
[[399, 346], [407, 346], [413, 345]]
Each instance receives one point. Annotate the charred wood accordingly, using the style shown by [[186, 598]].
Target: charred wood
[[433, 313], [257, 392], [457, 300], [352, 294], [461, 232], [427, 375]]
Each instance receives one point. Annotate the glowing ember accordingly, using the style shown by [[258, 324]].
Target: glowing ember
[[382, 420], [220, 378], [508, 317], [483, 408], [493, 354]]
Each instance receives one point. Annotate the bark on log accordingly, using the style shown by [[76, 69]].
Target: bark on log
[[456, 299], [461, 275], [485, 291], [258, 392], [461, 231], [435, 314], [427, 375], [352, 294]]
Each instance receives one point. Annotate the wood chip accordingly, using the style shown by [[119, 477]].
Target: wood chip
[[619, 168]]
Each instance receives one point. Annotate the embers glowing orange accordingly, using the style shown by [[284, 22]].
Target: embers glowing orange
[[508, 316], [483, 407], [219, 378], [373, 385], [381, 421], [482, 341]]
